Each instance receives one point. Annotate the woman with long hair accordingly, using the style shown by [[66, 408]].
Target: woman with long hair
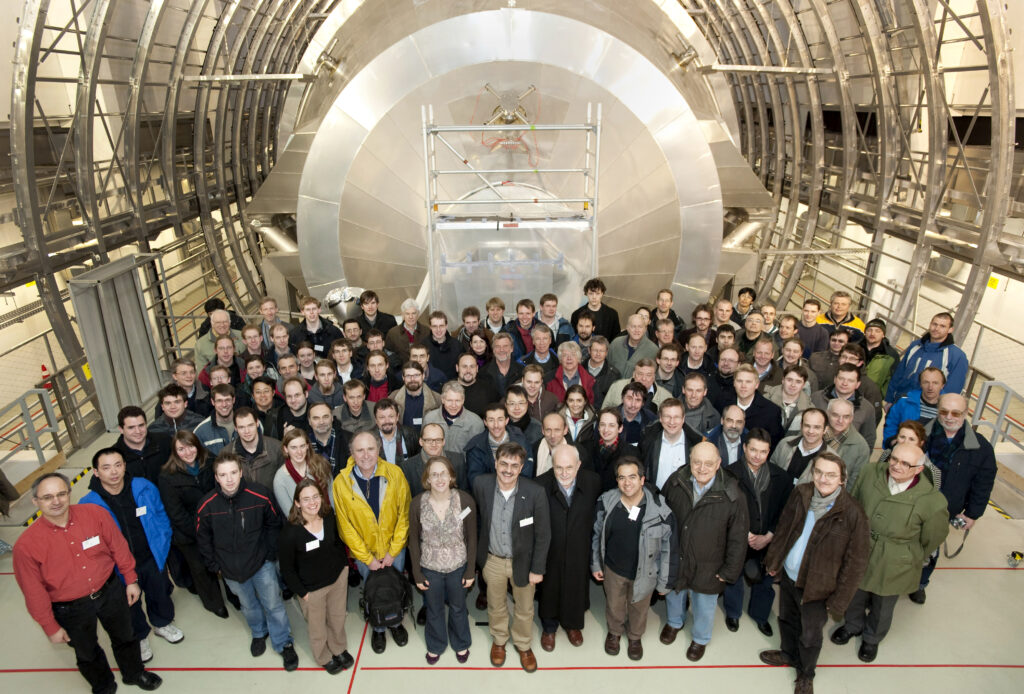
[[314, 567], [184, 480], [480, 346], [442, 547], [300, 462], [579, 415], [608, 445]]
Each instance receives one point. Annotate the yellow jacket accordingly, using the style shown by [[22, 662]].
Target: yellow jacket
[[367, 537]]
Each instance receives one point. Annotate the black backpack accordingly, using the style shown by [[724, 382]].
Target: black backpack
[[386, 597]]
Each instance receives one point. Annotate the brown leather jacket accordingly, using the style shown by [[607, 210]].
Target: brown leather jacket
[[837, 553]]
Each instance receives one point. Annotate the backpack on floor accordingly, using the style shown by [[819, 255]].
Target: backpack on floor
[[386, 597]]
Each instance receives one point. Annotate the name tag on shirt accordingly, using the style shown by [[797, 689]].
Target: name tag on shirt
[[465, 512], [91, 542], [525, 522], [140, 511], [634, 513], [318, 348], [417, 421], [312, 544]]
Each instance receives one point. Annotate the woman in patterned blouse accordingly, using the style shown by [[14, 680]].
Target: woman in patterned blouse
[[442, 547]]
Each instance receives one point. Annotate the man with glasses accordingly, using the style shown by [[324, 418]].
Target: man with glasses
[[513, 550], [968, 466], [64, 564], [431, 446], [711, 524], [908, 522], [820, 553]]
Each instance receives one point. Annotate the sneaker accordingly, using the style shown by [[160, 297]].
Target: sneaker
[[258, 646], [170, 633], [290, 657], [145, 650]]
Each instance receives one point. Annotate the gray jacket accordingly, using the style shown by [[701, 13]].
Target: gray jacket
[[703, 418], [458, 434], [657, 544]]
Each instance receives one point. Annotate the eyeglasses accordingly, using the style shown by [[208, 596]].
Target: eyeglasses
[[830, 476], [309, 499], [50, 497], [705, 465], [439, 476], [955, 414], [893, 462], [432, 441]]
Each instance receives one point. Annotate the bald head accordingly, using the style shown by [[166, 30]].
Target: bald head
[[565, 460], [704, 462]]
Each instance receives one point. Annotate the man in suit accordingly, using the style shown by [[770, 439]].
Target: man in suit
[[514, 538], [572, 497]]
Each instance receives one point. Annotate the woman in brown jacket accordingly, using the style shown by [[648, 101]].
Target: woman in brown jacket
[[442, 548], [820, 549]]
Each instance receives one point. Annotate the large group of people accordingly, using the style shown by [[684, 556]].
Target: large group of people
[[524, 457]]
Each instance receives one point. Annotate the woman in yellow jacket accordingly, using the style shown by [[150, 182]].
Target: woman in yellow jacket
[[371, 503]]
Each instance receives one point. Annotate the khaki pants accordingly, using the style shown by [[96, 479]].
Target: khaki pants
[[620, 609], [324, 611], [498, 574]]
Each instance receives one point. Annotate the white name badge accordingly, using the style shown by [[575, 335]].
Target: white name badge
[[318, 348], [416, 421], [312, 544], [525, 522], [91, 542], [634, 513], [465, 512], [140, 511]]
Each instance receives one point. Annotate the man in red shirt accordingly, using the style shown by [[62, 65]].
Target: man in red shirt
[[64, 564]]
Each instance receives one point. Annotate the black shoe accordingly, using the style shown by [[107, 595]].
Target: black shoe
[[765, 628], [868, 652], [378, 642], [421, 616], [258, 646], [290, 657], [732, 624], [400, 635], [918, 597], [841, 636], [344, 660], [146, 680], [221, 612], [333, 667]]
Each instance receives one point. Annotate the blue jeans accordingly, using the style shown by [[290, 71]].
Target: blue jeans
[[364, 571], [262, 605], [703, 606], [446, 589], [762, 595]]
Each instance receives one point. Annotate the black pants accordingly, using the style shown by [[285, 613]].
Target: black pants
[[205, 582], [110, 608], [156, 590], [800, 626]]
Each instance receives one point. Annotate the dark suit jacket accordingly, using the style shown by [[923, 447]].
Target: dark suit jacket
[[650, 450], [765, 414], [531, 528]]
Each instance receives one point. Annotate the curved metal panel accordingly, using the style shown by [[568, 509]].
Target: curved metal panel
[[535, 41]]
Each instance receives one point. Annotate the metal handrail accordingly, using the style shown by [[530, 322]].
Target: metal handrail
[[1000, 427]]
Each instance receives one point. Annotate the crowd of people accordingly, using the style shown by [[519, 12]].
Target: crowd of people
[[527, 456]]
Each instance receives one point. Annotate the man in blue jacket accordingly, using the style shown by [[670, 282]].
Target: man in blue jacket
[[480, 449], [920, 405], [134, 503], [934, 348]]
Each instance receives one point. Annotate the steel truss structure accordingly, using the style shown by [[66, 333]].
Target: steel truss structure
[[173, 109]]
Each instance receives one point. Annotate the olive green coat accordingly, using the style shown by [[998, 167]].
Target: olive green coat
[[905, 529]]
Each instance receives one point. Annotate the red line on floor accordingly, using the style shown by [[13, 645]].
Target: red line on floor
[[359, 654], [927, 666], [975, 568]]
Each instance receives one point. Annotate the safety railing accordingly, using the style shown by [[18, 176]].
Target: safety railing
[[1002, 426]]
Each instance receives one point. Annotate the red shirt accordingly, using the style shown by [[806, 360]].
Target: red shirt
[[51, 565]]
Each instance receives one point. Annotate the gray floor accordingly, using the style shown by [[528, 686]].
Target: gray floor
[[966, 637]]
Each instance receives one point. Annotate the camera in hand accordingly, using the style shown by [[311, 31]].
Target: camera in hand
[[958, 523]]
